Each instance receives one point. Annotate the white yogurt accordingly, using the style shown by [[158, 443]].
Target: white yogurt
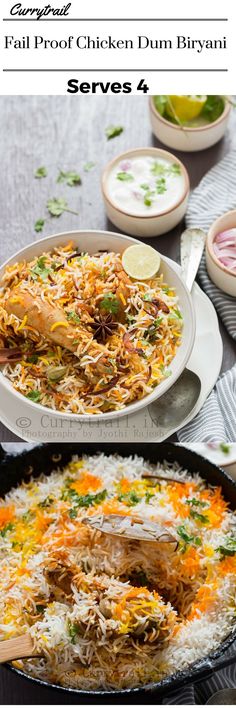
[[145, 186]]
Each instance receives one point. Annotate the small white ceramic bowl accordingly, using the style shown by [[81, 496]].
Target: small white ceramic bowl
[[223, 277], [188, 139], [91, 242], [147, 225]]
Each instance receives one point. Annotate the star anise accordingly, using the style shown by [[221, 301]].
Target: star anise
[[103, 327]]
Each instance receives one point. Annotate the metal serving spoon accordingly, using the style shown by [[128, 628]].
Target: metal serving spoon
[[227, 696], [175, 406]]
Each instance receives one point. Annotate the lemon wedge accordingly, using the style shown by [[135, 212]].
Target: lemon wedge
[[141, 262], [185, 108]]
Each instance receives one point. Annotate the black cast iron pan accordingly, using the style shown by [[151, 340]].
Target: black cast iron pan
[[44, 458]]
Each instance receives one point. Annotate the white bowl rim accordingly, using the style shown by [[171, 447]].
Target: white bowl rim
[[210, 239], [150, 149], [133, 407], [187, 128]]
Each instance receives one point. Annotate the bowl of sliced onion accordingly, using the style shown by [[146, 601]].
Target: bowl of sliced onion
[[221, 252]]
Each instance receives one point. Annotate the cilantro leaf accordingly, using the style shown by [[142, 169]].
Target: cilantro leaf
[[70, 178], [112, 131], [161, 185], [158, 168], [110, 303], [73, 631], [199, 517], [56, 207], [40, 268], [195, 502], [5, 529], [130, 498], [39, 224], [187, 537], [34, 396], [89, 166], [40, 172], [72, 316], [124, 177], [33, 358], [224, 447], [175, 169], [229, 549]]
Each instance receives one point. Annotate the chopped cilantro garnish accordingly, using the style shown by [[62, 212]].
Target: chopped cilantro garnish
[[161, 185], [124, 177], [40, 172], [110, 303], [158, 169], [40, 269], [71, 315], [187, 537], [5, 529], [112, 131], [73, 631], [78, 500], [195, 502], [199, 517], [148, 496], [34, 396], [89, 166], [39, 224], [224, 447], [33, 358], [229, 549], [70, 178], [56, 207], [129, 498]]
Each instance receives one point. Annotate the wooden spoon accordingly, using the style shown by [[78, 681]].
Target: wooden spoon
[[128, 527], [17, 648]]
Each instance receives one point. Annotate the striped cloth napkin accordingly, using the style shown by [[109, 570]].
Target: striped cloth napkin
[[215, 195], [200, 692]]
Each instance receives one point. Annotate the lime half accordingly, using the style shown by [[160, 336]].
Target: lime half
[[141, 262], [185, 108]]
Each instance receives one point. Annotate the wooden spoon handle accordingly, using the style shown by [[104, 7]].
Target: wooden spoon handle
[[16, 648]]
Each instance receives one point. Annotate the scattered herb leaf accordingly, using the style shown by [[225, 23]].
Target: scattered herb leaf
[[89, 166], [56, 207], [39, 224], [40, 172], [70, 178], [112, 131]]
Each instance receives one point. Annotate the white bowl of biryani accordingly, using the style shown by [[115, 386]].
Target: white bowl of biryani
[[82, 338], [145, 191]]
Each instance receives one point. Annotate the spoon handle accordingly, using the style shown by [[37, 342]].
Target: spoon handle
[[192, 244], [16, 648]]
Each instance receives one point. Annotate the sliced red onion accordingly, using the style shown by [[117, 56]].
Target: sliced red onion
[[224, 247], [125, 165]]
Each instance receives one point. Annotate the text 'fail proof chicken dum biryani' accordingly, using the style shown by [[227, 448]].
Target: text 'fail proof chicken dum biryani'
[[105, 610], [78, 335]]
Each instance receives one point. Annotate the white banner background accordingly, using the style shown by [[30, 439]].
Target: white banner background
[[164, 70]]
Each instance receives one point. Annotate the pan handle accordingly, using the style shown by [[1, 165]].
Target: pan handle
[[213, 666], [3, 454]]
